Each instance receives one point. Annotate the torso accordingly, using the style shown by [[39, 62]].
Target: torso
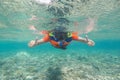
[[55, 43]]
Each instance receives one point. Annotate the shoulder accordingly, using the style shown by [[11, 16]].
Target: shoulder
[[75, 35]]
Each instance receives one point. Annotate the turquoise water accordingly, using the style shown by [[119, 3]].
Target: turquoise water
[[44, 62]]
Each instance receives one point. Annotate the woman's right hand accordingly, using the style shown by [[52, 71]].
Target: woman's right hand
[[31, 43], [91, 43]]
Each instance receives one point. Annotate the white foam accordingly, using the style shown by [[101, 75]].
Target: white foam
[[43, 1]]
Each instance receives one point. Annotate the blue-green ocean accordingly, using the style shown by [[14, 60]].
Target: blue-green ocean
[[45, 62]]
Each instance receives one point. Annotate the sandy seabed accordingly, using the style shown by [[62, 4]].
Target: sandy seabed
[[24, 66]]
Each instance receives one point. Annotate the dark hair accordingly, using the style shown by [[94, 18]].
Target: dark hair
[[60, 32], [60, 35]]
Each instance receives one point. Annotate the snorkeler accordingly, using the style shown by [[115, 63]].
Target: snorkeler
[[60, 38]]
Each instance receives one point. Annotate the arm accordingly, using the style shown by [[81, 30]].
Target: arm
[[87, 41], [36, 42], [84, 40], [33, 43]]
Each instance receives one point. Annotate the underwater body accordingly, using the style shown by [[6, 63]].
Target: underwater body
[[45, 62]]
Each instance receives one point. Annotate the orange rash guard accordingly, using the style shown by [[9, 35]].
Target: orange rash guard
[[46, 38]]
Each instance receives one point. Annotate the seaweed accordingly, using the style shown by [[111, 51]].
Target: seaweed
[[96, 67], [82, 58], [1, 63], [54, 74]]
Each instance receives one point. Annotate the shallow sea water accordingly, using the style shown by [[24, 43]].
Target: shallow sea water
[[44, 62]]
